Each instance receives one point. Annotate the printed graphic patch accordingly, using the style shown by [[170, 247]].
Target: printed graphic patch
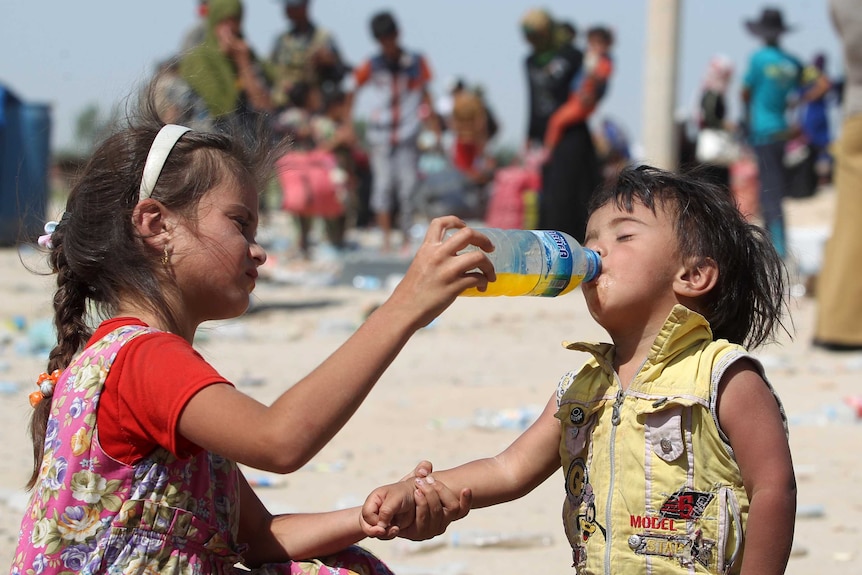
[[576, 481], [686, 504], [684, 549], [577, 416], [581, 500]]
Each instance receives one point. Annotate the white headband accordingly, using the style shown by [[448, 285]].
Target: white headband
[[159, 151]]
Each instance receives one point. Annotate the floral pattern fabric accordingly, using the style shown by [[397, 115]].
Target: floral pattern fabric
[[91, 514]]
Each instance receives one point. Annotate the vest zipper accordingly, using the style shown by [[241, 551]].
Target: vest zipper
[[615, 415], [615, 420]]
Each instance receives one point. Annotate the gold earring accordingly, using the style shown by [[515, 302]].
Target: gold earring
[[166, 257]]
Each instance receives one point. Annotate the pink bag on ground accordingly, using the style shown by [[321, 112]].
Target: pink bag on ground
[[506, 208], [310, 183]]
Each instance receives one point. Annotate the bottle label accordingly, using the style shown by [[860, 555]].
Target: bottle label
[[559, 264]]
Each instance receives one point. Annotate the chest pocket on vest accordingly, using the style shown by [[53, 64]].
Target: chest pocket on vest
[[577, 421], [665, 421], [664, 432]]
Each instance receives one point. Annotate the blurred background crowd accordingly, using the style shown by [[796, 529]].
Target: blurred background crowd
[[424, 146]]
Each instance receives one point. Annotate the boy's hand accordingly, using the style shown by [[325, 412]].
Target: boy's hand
[[416, 508], [387, 509], [436, 507]]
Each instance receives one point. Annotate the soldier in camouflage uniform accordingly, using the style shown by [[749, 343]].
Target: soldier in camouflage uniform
[[305, 53]]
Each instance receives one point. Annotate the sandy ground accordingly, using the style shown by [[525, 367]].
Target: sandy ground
[[497, 356]]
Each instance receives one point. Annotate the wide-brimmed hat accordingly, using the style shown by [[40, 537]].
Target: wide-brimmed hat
[[770, 25]]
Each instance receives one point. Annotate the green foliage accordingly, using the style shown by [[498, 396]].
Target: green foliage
[[91, 126]]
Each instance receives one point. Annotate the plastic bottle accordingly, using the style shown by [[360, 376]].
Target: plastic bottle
[[542, 263], [811, 511]]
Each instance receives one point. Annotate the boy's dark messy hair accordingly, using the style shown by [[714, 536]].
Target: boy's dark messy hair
[[748, 302]]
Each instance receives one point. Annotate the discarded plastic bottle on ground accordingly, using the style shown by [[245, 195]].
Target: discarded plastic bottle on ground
[[542, 263], [847, 412], [510, 540], [812, 511], [519, 418]]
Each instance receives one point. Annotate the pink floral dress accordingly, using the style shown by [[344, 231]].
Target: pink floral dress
[[91, 514]]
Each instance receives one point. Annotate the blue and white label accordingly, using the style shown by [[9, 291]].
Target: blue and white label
[[559, 264]]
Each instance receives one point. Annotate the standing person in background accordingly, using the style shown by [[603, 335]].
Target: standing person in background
[[839, 286], [175, 101], [550, 69], [773, 76], [331, 131], [398, 81], [305, 53], [224, 71], [297, 124], [574, 171], [198, 32], [712, 109], [815, 118]]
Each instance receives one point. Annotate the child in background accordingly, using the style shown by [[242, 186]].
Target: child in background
[[396, 81], [299, 122], [469, 123], [294, 121], [814, 116], [333, 133], [672, 443], [589, 86], [136, 437]]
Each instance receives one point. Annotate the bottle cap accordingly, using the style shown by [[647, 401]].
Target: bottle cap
[[594, 265]]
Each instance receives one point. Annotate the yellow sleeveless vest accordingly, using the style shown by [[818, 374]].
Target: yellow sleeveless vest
[[651, 482]]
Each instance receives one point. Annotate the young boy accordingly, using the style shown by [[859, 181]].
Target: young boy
[[672, 443]]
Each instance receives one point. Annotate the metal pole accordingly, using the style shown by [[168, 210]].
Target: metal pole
[[659, 127]]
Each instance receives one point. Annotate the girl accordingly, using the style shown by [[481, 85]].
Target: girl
[[136, 437], [672, 444]]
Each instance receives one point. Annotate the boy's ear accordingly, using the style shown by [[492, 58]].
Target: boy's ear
[[697, 278], [150, 221]]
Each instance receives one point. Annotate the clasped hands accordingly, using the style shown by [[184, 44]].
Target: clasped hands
[[418, 507]]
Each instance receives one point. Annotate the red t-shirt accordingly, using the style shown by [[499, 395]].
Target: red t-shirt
[[150, 382]]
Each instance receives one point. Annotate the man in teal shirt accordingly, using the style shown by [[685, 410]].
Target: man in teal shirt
[[772, 77]]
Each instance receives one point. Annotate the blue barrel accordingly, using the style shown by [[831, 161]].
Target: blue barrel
[[25, 137]]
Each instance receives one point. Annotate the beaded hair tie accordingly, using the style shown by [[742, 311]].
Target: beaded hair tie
[[45, 383], [47, 240]]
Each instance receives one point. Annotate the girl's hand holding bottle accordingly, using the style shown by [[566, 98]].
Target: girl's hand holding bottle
[[438, 273]]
